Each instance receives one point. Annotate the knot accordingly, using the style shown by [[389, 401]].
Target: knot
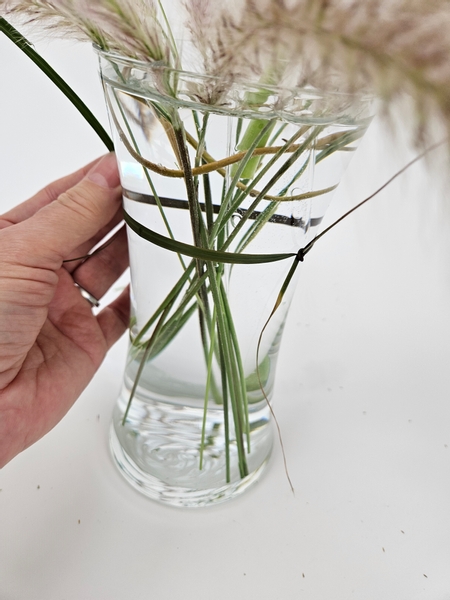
[[300, 255]]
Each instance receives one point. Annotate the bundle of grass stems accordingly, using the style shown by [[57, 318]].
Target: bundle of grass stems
[[378, 48]]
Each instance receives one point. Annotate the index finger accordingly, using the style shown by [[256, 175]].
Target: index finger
[[54, 232], [27, 209]]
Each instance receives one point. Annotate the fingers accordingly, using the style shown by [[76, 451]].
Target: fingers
[[27, 209], [60, 227], [99, 272], [83, 251], [113, 320]]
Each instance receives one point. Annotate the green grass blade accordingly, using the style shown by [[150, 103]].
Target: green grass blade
[[239, 365], [23, 44], [206, 254], [209, 367], [230, 368], [241, 195], [145, 355], [169, 299], [281, 171]]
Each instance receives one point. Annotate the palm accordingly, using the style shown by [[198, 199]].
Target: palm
[[68, 350]]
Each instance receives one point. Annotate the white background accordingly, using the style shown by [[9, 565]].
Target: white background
[[362, 398]]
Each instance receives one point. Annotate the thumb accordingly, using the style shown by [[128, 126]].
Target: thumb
[[75, 216]]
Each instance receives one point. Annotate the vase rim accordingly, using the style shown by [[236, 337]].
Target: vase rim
[[306, 89], [238, 98]]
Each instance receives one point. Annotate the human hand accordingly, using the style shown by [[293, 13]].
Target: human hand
[[51, 343]]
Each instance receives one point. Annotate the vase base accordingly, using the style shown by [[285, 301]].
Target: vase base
[[158, 490]]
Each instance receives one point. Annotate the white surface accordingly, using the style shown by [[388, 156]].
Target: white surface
[[362, 398]]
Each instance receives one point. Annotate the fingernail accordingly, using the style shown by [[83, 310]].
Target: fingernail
[[105, 173]]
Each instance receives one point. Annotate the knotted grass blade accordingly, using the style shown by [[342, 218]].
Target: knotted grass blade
[[284, 287], [299, 258], [200, 253]]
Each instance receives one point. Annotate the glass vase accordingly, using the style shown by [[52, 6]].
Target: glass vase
[[223, 182]]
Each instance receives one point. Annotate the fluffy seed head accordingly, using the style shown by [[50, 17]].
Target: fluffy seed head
[[385, 47]]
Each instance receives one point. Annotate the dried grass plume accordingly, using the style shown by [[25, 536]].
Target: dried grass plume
[[384, 47]]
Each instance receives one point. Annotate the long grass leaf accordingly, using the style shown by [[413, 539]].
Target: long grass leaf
[[23, 44], [206, 254]]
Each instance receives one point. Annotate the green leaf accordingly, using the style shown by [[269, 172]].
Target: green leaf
[[21, 42], [200, 253]]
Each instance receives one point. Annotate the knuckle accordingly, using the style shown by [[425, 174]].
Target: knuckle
[[82, 201]]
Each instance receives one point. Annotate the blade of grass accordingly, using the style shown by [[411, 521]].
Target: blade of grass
[[23, 44], [145, 354], [230, 368], [240, 367], [212, 335], [205, 254]]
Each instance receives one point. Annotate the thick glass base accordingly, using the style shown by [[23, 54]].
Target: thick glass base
[[157, 450]]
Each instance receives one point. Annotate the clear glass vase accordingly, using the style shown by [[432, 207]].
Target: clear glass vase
[[250, 174]]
